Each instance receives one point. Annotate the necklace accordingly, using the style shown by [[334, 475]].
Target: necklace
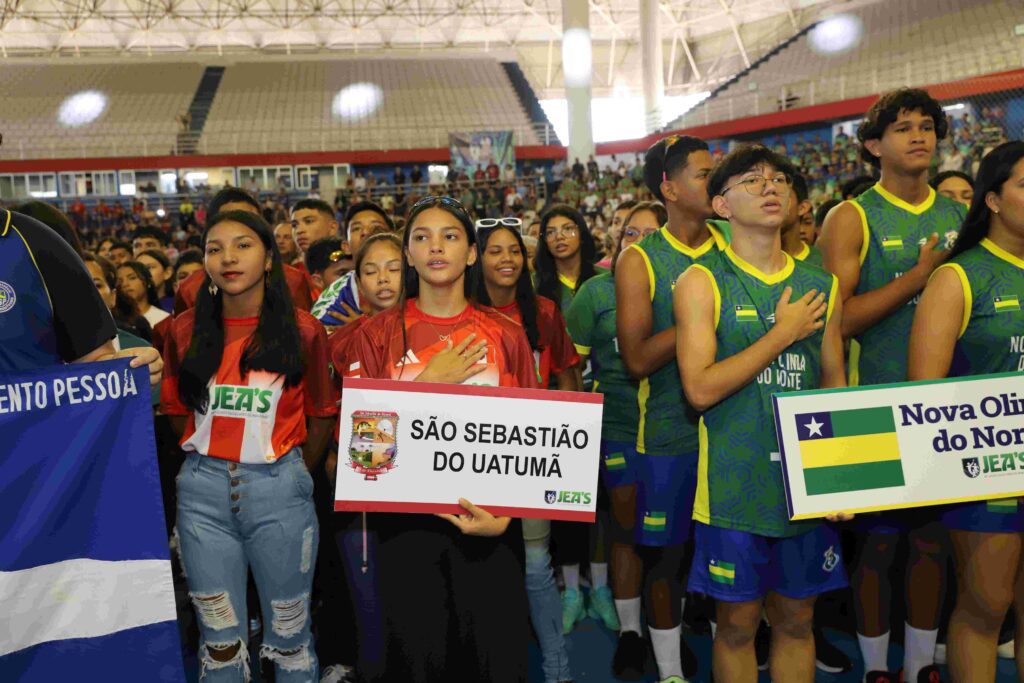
[[442, 337]]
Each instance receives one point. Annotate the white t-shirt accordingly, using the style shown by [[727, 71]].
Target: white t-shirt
[[155, 315]]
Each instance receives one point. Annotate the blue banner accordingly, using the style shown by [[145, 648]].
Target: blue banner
[[85, 573]]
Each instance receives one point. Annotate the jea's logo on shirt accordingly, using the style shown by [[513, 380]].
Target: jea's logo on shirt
[[374, 445], [7, 297], [972, 468]]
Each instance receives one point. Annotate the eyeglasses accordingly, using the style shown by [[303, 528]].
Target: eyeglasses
[[755, 185], [637, 233], [485, 223], [564, 231]]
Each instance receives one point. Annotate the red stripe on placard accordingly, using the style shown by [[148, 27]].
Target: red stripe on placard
[[441, 508], [471, 390]]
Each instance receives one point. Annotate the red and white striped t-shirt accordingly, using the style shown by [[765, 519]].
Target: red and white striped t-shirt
[[252, 418]]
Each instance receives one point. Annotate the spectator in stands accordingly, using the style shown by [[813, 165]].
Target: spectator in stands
[[186, 213], [103, 249], [148, 237], [592, 167], [189, 261], [956, 185], [312, 219], [509, 175], [359, 185], [327, 261], [286, 242], [493, 172], [479, 175], [619, 216], [954, 160], [578, 169], [416, 175], [160, 270], [399, 176], [120, 252]]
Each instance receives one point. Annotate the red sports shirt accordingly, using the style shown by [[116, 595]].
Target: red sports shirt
[[251, 419], [340, 347], [378, 352], [557, 352], [299, 284]]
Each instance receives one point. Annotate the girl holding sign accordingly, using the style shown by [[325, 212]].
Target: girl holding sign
[[442, 618], [243, 371], [501, 279], [970, 322]]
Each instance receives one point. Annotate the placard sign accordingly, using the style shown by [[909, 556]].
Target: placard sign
[[419, 447], [904, 445]]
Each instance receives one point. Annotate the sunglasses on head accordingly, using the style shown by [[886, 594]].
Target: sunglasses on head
[[336, 256], [432, 200], [486, 223]]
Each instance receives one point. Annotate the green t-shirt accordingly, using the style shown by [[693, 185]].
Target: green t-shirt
[[810, 254], [740, 479], [591, 323], [667, 424], [992, 333], [893, 234]]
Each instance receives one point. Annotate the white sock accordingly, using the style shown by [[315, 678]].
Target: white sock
[[714, 628], [875, 652], [919, 651], [598, 574], [682, 606], [629, 615], [571, 576], [667, 651]]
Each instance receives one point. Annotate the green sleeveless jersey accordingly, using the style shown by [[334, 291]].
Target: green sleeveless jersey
[[591, 323], [992, 332], [667, 425], [810, 254], [739, 475], [893, 234]]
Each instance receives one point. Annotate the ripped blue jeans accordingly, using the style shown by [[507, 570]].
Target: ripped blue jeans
[[232, 516]]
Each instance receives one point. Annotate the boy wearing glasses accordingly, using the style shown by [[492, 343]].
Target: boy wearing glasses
[[883, 247], [676, 171], [754, 322]]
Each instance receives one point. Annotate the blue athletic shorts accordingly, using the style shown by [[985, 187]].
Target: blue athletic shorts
[[618, 463], [1004, 516], [664, 498], [737, 566], [894, 522]]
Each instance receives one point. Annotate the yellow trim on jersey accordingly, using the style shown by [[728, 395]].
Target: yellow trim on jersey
[[968, 294], [865, 231], [717, 236], [805, 251], [36, 264], [906, 206], [642, 394], [684, 249], [571, 284], [7, 225], [832, 298], [998, 251], [714, 286], [854, 375], [648, 264], [582, 350], [702, 497], [772, 279]]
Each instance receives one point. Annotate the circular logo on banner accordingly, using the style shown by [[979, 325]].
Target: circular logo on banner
[[7, 297]]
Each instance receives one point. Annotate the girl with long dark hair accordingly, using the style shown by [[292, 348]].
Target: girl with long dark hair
[[565, 254], [452, 602], [161, 272], [126, 314], [135, 282], [501, 279], [244, 371], [967, 323]]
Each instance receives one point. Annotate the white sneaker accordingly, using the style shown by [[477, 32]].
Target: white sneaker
[[1005, 650], [940, 654]]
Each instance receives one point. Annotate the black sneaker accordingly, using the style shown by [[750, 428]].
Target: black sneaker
[[929, 674], [762, 643], [828, 657], [881, 677], [687, 660], [630, 655]]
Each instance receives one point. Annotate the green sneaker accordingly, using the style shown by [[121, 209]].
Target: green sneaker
[[602, 606], [572, 609]]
